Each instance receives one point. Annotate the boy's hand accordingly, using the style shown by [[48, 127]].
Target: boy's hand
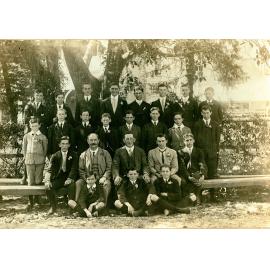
[[165, 194], [68, 182], [117, 180], [148, 200], [48, 185], [154, 198], [102, 180], [130, 208], [88, 214]]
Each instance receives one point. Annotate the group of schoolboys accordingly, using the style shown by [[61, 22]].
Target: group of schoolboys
[[138, 158]]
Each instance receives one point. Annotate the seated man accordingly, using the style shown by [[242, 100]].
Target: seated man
[[163, 155], [91, 199], [129, 156], [194, 169], [97, 161], [168, 197], [61, 173], [132, 194]]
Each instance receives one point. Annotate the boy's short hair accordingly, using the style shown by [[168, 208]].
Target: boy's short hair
[[139, 87], [132, 169], [178, 113], [154, 109], [33, 120], [106, 115], [129, 112], [165, 166], [162, 135], [62, 109], [84, 110], [114, 83], [59, 94], [162, 85], [37, 91], [188, 135], [209, 89], [64, 138], [83, 83], [206, 108]]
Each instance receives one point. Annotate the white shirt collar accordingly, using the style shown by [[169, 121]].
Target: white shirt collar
[[129, 148], [64, 153], [129, 125], [209, 101], [87, 97], [60, 106], [61, 123], [154, 121], [133, 182], [108, 127], [176, 126], [87, 123], [165, 180], [94, 151], [162, 150], [206, 120], [185, 99], [188, 150], [139, 101], [37, 133], [114, 97]]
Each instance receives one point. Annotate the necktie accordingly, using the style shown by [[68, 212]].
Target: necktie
[[155, 123], [64, 163], [162, 156], [93, 154], [114, 104], [129, 127], [163, 104], [130, 152]]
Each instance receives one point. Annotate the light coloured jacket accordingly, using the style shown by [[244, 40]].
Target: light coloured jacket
[[34, 148]]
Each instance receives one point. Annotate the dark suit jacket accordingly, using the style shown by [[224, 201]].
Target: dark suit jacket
[[135, 130], [122, 162], [166, 116], [41, 112], [55, 133], [216, 108], [81, 134], [92, 106], [207, 138], [171, 187], [149, 134], [117, 117], [53, 111], [108, 141], [141, 113], [136, 194], [54, 171], [197, 163], [190, 112]]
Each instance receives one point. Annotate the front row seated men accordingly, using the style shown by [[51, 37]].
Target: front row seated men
[[62, 173]]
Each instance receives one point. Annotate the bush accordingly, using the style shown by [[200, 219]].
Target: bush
[[11, 161], [245, 146]]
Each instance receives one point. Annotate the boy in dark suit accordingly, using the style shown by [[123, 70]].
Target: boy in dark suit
[[91, 199], [62, 173], [108, 136], [168, 198], [115, 106], [216, 108], [57, 106], [140, 108], [82, 131], [38, 109], [129, 127], [189, 107], [152, 129], [132, 194], [207, 134], [88, 103], [166, 107], [58, 130], [193, 170]]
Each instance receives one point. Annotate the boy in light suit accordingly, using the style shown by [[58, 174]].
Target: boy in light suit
[[34, 151], [177, 131]]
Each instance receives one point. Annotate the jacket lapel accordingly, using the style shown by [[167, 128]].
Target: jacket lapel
[[158, 156]]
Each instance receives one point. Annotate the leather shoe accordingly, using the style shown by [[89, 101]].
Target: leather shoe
[[183, 210]]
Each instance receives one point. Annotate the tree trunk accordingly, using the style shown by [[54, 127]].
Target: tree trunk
[[10, 97], [190, 67], [114, 66]]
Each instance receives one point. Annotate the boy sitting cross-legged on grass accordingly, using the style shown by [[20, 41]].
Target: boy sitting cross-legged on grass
[[91, 199], [133, 194], [168, 198]]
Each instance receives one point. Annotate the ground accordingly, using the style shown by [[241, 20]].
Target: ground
[[238, 208]]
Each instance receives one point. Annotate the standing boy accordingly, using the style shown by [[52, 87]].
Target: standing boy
[[34, 151]]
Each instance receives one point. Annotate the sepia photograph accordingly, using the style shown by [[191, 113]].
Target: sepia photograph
[[134, 133]]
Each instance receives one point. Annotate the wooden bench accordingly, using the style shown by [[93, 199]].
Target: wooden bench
[[11, 187]]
